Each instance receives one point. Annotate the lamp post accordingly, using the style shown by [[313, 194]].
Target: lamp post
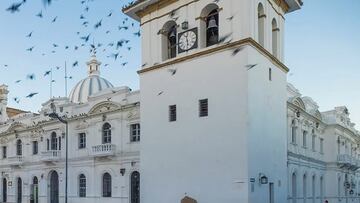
[[54, 115]]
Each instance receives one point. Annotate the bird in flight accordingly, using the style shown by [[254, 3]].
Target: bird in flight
[[15, 7], [40, 15], [47, 73], [29, 35], [31, 95]]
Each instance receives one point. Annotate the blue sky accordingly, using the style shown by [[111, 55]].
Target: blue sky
[[321, 49]]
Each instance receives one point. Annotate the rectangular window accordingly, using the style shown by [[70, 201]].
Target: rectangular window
[[293, 134], [135, 132], [82, 140], [4, 150], [321, 145], [35, 147], [270, 74], [172, 113], [59, 143], [203, 108], [313, 142], [304, 138]]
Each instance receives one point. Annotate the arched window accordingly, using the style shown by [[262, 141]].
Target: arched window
[[106, 183], [35, 180], [321, 189], [48, 144], [261, 24], [305, 188], [18, 148], [169, 40], [135, 187], [54, 187], [59, 139], [293, 188], [313, 188], [346, 148], [304, 138], [275, 38], [106, 133], [34, 193], [212, 28], [19, 191], [54, 141], [293, 132], [339, 187], [209, 25], [82, 185]]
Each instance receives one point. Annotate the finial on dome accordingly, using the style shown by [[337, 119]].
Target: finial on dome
[[93, 66]]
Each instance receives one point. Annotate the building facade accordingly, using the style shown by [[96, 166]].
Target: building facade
[[104, 135], [219, 122]]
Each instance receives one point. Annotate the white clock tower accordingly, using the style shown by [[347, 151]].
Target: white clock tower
[[213, 100]]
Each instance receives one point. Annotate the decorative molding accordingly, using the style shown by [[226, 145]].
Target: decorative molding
[[133, 114], [104, 107], [82, 125], [166, 14], [305, 158], [203, 18], [222, 47], [16, 126], [156, 6]]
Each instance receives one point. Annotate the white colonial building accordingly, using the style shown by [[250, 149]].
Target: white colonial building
[[104, 135], [219, 122]]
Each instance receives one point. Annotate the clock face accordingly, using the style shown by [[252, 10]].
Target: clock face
[[188, 40]]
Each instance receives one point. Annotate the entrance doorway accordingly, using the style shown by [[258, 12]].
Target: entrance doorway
[[54, 187], [4, 193], [34, 191], [19, 190], [135, 187], [271, 193]]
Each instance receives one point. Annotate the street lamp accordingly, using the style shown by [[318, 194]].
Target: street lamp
[[54, 115]]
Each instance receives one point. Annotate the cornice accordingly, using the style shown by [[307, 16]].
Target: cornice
[[293, 107], [46, 123], [223, 47], [163, 3], [344, 129], [305, 158]]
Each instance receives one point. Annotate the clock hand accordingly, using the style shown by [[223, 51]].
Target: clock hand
[[187, 40]]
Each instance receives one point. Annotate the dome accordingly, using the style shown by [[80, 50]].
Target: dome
[[90, 85]]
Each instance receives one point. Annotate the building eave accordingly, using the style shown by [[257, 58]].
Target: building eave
[[137, 9], [11, 112], [132, 9], [294, 5]]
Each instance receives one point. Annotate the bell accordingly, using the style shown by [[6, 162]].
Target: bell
[[212, 23], [172, 33]]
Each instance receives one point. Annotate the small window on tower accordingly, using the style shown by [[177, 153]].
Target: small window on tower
[[172, 113], [270, 74], [203, 108]]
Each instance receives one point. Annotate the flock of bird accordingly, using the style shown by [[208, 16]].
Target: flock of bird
[[114, 50]]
